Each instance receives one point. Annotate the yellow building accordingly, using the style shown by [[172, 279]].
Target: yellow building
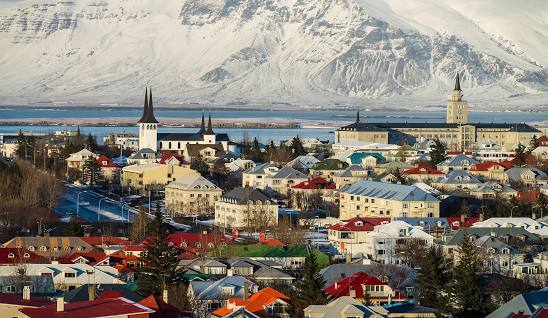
[[245, 207], [379, 199], [152, 176], [192, 194], [456, 132]]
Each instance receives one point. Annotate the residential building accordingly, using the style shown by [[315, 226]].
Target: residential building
[[239, 164], [50, 247], [152, 176], [208, 152], [380, 244], [493, 190], [458, 162], [303, 163], [366, 159], [8, 146], [523, 305], [328, 168], [529, 176], [311, 194], [342, 307], [422, 173], [350, 175], [20, 255], [361, 285], [123, 140], [142, 156], [489, 170], [282, 181], [348, 237], [104, 307], [528, 224], [242, 207], [68, 276], [256, 177], [192, 194], [267, 302], [78, 159], [379, 199], [215, 294], [457, 179], [109, 169], [10, 304]]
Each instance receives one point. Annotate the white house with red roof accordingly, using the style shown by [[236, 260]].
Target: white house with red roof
[[489, 170], [109, 169], [422, 173], [348, 237], [361, 285]]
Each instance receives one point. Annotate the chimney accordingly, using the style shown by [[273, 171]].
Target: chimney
[[26, 292], [230, 272], [60, 304], [493, 233], [534, 216], [246, 290], [462, 218], [165, 296], [91, 292], [481, 216]]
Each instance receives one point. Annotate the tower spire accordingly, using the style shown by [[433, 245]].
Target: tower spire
[[148, 111], [202, 127], [457, 83], [209, 126], [358, 117]]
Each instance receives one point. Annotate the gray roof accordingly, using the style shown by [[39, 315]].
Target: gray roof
[[81, 293], [459, 177], [258, 169], [457, 236], [289, 173], [348, 171], [492, 186], [389, 191], [487, 241], [525, 303], [140, 152], [243, 195], [515, 173], [458, 161], [344, 306], [519, 127], [266, 272], [212, 290]]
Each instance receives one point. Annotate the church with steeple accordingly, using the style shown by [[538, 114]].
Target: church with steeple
[[150, 138], [456, 132]]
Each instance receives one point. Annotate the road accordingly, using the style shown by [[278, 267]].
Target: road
[[111, 211], [89, 206]]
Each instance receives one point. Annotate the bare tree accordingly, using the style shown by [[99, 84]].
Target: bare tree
[[410, 251]]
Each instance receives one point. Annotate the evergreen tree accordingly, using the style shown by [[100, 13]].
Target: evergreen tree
[[520, 156], [74, 229], [309, 290], [432, 279], [534, 143], [255, 151], [469, 297], [297, 147], [160, 270], [91, 143], [198, 164], [438, 152], [367, 298], [90, 171]]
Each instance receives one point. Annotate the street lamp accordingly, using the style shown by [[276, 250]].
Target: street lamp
[[78, 202], [512, 210], [99, 214]]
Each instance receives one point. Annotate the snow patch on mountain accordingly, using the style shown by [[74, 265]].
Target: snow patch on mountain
[[302, 52]]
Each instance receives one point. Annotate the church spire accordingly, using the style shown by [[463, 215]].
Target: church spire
[[358, 117], [148, 111], [209, 126], [457, 83], [202, 127]]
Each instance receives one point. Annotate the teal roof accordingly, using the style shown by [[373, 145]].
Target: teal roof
[[357, 157]]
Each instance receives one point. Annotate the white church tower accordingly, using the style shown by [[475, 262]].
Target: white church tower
[[148, 125]]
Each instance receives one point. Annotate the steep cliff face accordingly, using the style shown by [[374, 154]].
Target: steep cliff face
[[256, 51]]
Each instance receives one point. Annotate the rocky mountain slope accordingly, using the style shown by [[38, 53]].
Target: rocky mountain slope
[[302, 52]]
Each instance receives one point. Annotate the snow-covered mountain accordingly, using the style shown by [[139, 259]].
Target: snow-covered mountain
[[304, 52]]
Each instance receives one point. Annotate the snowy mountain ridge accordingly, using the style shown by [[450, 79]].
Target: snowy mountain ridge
[[304, 52]]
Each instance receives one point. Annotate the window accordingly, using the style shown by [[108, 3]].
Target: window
[[43, 248], [70, 275], [11, 255], [10, 289]]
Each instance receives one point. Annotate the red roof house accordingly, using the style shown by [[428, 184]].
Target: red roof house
[[11, 299], [258, 304], [106, 307], [17, 255], [359, 224], [359, 283], [106, 162], [167, 157], [461, 222], [162, 309], [91, 258], [198, 243], [106, 241], [317, 183]]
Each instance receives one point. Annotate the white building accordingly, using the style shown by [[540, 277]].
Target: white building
[[528, 224]]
